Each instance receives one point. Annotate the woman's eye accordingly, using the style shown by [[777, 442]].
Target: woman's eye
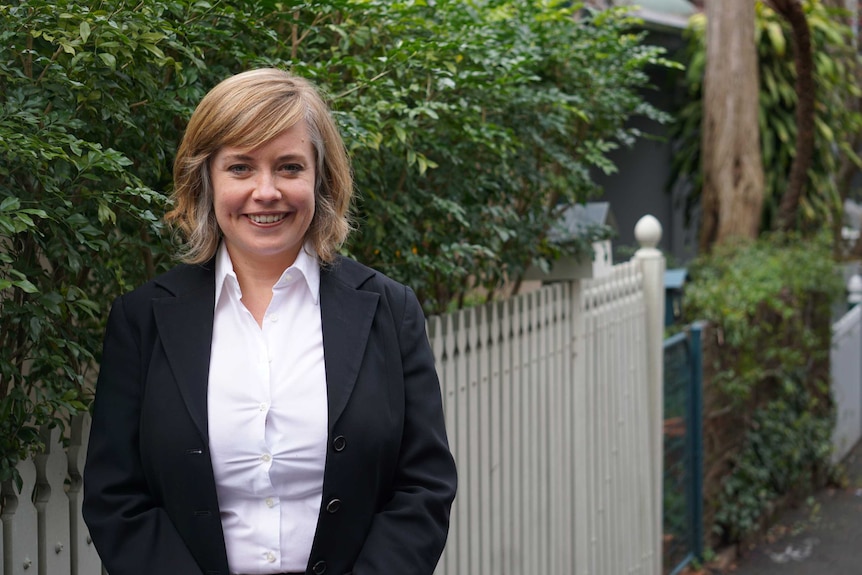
[[238, 169], [292, 168]]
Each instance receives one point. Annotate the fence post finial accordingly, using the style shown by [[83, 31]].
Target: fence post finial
[[648, 231]]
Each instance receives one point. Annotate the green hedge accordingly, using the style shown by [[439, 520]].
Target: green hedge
[[770, 305], [471, 124]]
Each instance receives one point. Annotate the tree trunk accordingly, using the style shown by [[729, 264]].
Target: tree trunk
[[732, 198], [803, 58]]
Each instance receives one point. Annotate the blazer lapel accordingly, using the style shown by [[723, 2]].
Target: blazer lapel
[[346, 317], [185, 326]]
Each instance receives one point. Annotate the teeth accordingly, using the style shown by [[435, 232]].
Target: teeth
[[266, 219]]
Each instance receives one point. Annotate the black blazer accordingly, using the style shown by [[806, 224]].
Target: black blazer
[[149, 494]]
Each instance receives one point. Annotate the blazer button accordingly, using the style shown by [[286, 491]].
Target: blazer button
[[334, 505], [319, 568], [339, 443]]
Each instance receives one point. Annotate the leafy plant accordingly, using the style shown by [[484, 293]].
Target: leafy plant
[[94, 96], [770, 303], [471, 125], [836, 122]]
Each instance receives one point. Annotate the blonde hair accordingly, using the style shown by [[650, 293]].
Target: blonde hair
[[246, 111]]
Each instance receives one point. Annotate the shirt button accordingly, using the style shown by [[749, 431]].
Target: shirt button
[[266, 457], [270, 556], [270, 502], [263, 407], [273, 318]]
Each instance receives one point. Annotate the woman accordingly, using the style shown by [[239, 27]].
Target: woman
[[268, 407]]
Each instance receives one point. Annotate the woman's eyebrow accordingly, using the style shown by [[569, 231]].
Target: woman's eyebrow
[[292, 157], [237, 158], [240, 157]]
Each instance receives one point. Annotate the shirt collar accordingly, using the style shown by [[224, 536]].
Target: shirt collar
[[305, 266], [308, 267]]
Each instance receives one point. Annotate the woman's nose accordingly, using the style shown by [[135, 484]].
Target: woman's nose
[[265, 189]]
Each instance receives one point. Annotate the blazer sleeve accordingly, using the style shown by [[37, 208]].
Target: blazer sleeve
[[131, 532], [408, 535]]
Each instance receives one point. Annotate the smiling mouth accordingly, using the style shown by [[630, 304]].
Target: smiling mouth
[[266, 218]]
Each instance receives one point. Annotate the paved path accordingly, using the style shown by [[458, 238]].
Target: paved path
[[823, 537]]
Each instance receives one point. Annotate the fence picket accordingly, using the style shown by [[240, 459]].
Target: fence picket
[[494, 389], [52, 506], [85, 560], [485, 395], [508, 405], [20, 525]]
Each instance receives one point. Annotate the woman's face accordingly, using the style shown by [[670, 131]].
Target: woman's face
[[264, 198]]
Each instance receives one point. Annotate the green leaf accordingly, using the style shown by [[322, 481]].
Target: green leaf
[[10, 204], [776, 37], [25, 285], [106, 214], [84, 29], [108, 59], [400, 133]]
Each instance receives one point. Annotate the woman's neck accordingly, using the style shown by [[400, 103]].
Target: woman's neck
[[256, 280]]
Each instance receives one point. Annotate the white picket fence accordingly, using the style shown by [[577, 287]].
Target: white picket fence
[[554, 420], [42, 532], [553, 403], [846, 365]]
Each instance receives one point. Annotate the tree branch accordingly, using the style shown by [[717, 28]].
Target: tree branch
[[792, 11]]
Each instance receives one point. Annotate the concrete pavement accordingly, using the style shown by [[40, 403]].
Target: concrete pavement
[[822, 537]]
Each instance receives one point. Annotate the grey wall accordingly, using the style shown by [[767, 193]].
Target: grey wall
[[642, 183]]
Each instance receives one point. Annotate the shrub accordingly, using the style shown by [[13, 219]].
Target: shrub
[[770, 304], [471, 125], [94, 96]]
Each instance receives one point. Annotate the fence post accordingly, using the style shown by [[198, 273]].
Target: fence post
[[854, 291], [648, 234], [696, 437]]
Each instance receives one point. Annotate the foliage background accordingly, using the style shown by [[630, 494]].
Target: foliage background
[[471, 125], [769, 414], [837, 123]]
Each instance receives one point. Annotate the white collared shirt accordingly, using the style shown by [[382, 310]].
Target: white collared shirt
[[267, 413]]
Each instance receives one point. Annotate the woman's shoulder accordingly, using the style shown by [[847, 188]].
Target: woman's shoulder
[[182, 279], [361, 276], [400, 298]]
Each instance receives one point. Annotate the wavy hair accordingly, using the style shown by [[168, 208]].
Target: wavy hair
[[246, 111]]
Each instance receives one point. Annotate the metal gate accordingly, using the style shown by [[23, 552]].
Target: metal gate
[[683, 449]]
